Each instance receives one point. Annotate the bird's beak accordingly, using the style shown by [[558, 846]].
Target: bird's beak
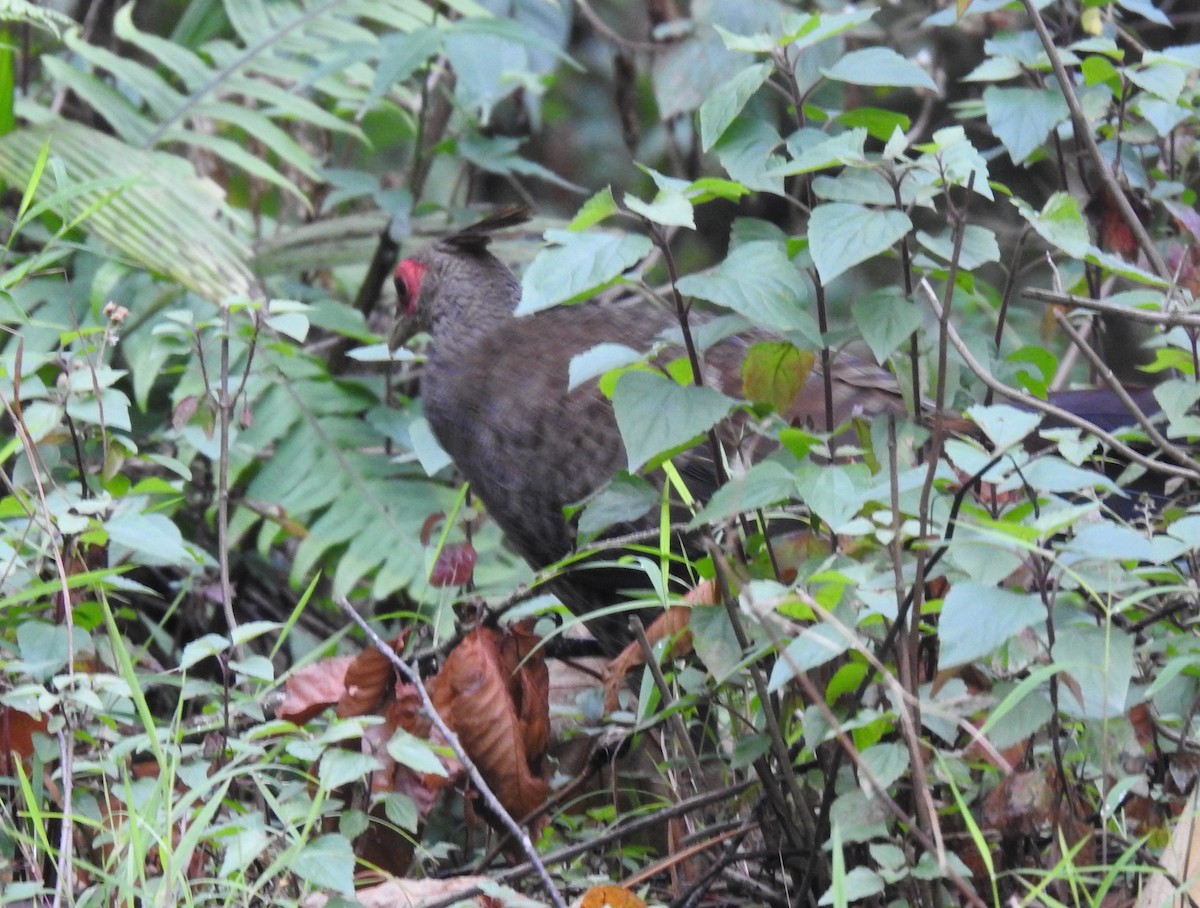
[[402, 332]]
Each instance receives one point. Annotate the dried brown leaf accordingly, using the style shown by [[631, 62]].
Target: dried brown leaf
[[16, 736], [472, 694], [369, 679], [314, 688], [610, 897]]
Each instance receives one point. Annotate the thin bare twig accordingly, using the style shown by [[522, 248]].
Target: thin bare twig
[[1165, 319], [1159, 440], [1083, 134], [65, 863], [1030, 402], [674, 718], [602, 841], [604, 30]]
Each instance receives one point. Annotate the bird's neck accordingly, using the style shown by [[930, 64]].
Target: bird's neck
[[465, 320]]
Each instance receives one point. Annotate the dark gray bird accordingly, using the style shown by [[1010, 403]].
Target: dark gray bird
[[495, 392]]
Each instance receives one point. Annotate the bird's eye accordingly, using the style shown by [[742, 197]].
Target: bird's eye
[[408, 284]]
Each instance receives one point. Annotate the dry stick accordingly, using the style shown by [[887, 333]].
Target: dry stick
[[224, 420], [664, 692], [65, 863], [1033, 403], [689, 342], [679, 855], [906, 702], [698, 889], [938, 433], [414, 678], [1084, 134], [1150, 316], [925, 808], [1010, 285], [914, 350], [1160, 441], [582, 848], [604, 30]]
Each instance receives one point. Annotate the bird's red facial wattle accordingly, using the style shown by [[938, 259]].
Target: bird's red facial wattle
[[408, 285]]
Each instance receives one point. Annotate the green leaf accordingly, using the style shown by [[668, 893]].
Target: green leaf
[[596, 209], [841, 235], [1147, 10], [149, 206], [1053, 474], [977, 620], [577, 266], [656, 414], [833, 492], [813, 648], [43, 648], [202, 648], [774, 372], [152, 537], [724, 103], [1101, 665], [401, 810], [327, 862], [879, 123], [400, 55], [244, 842], [1021, 118], [291, 324], [759, 43], [501, 154], [339, 767], [1060, 223], [815, 151], [887, 762], [879, 66], [859, 884], [1111, 542], [979, 246], [747, 152], [598, 360], [715, 641], [670, 208], [415, 753], [759, 282], [626, 499], [886, 319], [1005, 426], [764, 484], [951, 158], [1177, 397], [804, 30], [859, 185]]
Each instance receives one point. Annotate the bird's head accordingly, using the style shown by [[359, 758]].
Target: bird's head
[[456, 280], [411, 315]]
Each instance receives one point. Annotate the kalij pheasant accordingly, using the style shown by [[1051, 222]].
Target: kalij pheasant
[[495, 392]]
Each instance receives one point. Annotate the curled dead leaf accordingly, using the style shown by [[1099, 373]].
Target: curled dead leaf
[[314, 688], [491, 709]]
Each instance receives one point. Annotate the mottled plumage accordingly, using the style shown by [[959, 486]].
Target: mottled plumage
[[495, 393]]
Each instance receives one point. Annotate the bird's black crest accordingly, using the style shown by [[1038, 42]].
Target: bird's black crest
[[476, 237]]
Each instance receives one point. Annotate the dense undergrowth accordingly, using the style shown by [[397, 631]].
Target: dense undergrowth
[[972, 680]]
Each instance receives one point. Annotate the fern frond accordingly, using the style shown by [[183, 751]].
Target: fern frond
[[227, 95], [25, 12], [150, 207]]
